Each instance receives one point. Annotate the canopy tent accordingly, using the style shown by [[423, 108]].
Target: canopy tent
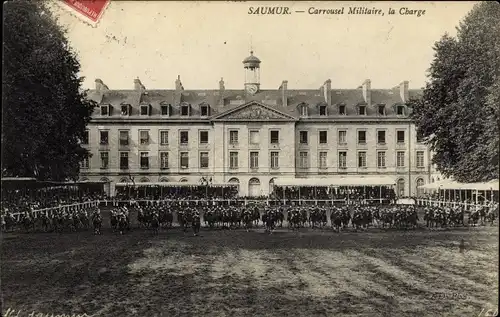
[[451, 184], [174, 184], [336, 181]]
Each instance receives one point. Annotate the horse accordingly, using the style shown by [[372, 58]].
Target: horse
[[155, 224], [196, 224], [97, 223]]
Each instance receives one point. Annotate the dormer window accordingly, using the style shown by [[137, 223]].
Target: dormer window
[[125, 110], [204, 109], [362, 110], [381, 110], [104, 110], [322, 110], [185, 110], [400, 110], [144, 110], [165, 110], [303, 110], [342, 110]]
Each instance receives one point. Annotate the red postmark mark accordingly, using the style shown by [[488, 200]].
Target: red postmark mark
[[90, 9]]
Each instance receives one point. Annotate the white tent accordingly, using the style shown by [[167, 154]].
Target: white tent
[[336, 181], [451, 184]]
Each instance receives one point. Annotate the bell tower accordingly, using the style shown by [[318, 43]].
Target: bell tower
[[251, 65]]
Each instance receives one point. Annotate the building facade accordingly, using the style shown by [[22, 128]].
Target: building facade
[[251, 136]]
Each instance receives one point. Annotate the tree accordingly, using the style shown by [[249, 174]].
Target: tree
[[44, 111], [458, 111]]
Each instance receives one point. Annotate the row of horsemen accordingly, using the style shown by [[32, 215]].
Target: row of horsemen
[[161, 215]]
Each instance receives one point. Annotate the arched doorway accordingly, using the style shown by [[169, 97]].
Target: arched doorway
[[107, 185], [234, 180], [400, 187], [271, 185], [144, 180], [420, 191], [84, 179], [163, 180], [254, 187], [125, 180], [183, 180]]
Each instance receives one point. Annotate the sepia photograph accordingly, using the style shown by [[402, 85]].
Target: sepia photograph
[[250, 158]]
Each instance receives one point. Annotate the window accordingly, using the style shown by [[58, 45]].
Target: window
[[144, 110], [362, 159], [184, 110], [203, 159], [254, 159], [322, 159], [163, 160], [400, 110], [303, 137], [322, 110], [275, 137], [85, 137], [400, 188], [420, 158], [84, 164], [123, 137], [123, 160], [125, 110], [233, 137], [104, 137], [254, 137], [381, 159], [303, 110], [144, 160], [144, 137], [381, 137], [362, 110], [381, 110], [233, 159], [203, 137], [184, 160], [163, 137], [401, 137], [303, 160], [342, 110], [420, 138], [342, 137], [204, 110], [165, 109], [400, 159], [275, 160], [420, 190], [104, 160], [105, 110], [184, 137], [323, 137], [343, 159], [361, 137]]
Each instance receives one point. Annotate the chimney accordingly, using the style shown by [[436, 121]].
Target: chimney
[[367, 93], [178, 84], [284, 93], [327, 90], [403, 91], [99, 85], [138, 85], [222, 88]]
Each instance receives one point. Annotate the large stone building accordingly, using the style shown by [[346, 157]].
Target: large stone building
[[252, 135]]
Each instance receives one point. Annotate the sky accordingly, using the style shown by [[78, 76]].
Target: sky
[[203, 41]]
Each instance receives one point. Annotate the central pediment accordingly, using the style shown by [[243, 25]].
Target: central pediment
[[254, 111]]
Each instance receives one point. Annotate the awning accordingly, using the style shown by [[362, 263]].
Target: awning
[[337, 181], [451, 184], [174, 184]]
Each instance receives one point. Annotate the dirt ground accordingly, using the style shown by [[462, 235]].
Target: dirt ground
[[238, 273]]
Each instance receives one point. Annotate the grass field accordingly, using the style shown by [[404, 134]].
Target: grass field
[[239, 273]]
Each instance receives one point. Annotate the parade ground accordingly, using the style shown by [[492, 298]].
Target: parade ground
[[238, 273]]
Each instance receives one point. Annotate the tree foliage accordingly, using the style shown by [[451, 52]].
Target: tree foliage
[[458, 112], [44, 111]]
